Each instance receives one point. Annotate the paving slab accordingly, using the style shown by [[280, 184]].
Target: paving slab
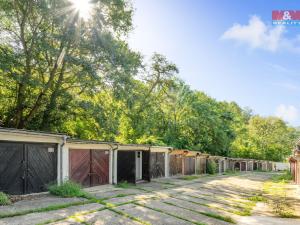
[[209, 203], [122, 200], [121, 191], [104, 217], [151, 216], [196, 207], [183, 213], [37, 203], [36, 218]]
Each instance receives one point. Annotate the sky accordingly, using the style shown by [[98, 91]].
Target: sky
[[227, 48]]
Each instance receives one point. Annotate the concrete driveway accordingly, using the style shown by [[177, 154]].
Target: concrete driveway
[[220, 199]]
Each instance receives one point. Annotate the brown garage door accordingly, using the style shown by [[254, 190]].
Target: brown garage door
[[175, 165], [89, 167]]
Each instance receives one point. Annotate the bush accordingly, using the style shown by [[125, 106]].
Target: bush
[[67, 189], [4, 199], [211, 167]]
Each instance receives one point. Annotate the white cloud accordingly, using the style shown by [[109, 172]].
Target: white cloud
[[257, 34], [288, 113]]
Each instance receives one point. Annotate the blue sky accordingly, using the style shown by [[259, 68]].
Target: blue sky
[[228, 49]]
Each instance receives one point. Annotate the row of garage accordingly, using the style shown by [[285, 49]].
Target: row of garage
[[30, 161]]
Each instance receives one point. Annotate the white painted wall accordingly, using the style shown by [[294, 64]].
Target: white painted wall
[[281, 166]]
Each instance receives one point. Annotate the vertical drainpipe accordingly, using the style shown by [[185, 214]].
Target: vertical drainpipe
[[113, 149], [61, 159]]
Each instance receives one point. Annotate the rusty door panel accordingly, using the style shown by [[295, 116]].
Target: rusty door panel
[[99, 167]]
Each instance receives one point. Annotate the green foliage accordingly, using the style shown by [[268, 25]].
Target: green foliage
[[211, 167], [285, 177], [67, 189], [189, 177], [60, 73], [4, 199], [125, 185]]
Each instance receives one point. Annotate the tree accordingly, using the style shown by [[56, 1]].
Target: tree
[[49, 56]]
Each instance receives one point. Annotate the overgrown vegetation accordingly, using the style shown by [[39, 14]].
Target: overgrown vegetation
[[125, 185], [189, 177], [57, 75], [68, 189], [211, 167], [285, 177], [4, 199], [277, 195]]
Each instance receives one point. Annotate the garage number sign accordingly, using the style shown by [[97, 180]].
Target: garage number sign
[[50, 150]]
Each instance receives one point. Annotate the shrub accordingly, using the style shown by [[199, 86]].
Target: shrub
[[4, 199], [211, 167], [67, 189]]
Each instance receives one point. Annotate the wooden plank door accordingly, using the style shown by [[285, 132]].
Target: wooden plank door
[[41, 166], [80, 167], [12, 164], [99, 167]]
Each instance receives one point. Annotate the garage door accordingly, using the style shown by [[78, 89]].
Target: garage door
[[189, 165], [157, 163], [27, 168], [126, 166], [89, 167], [175, 165]]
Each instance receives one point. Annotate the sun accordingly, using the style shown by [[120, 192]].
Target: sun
[[83, 7]]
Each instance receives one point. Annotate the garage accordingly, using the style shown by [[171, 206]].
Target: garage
[[159, 161], [27, 167], [132, 163], [175, 163], [157, 164], [89, 167], [29, 160]]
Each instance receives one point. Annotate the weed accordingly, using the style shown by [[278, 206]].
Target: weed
[[189, 177], [4, 199], [125, 184], [68, 189], [46, 209]]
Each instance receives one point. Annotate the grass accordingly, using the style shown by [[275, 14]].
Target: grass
[[129, 216], [245, 211], [46, 209], [125, 185], [191, 177], [169, 214], [286, 177], [257, 198], [4, 199], [276, 191], [68, 189], [209, 214]]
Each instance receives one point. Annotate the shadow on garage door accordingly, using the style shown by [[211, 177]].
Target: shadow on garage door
[[27, 167]]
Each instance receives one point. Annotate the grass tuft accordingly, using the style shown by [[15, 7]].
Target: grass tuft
[[125, 185], [68, 189], [4, 199], [192, 177]]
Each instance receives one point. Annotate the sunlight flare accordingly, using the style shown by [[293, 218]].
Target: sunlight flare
[[83, 7]]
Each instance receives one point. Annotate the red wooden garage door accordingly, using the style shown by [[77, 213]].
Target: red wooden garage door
[[89, 167]]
